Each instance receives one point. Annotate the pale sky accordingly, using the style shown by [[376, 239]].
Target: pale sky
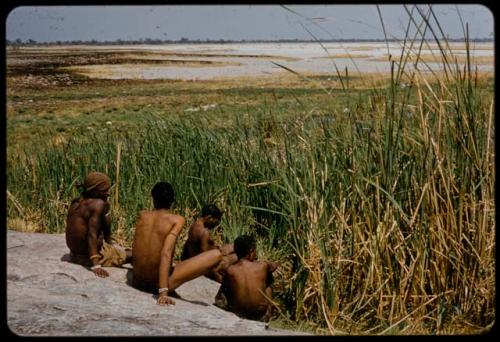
[[234, 22]]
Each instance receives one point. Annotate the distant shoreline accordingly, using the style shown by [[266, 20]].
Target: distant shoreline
[[222, 41]]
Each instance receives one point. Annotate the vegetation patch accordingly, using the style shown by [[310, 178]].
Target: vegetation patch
[[375, 192]]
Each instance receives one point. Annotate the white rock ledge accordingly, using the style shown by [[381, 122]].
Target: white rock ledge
[[48, 296]]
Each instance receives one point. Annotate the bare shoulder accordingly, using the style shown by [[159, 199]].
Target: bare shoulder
[[199, 231], [176, 219], [196, 226], [165, 223], [98, 205], [143, 214], [230, 270], [75, 201], [262, 265], [143, 217]]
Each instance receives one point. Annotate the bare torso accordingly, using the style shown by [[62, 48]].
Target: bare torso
[[151, 231], [78, 224], [198, 241], [245, 285]]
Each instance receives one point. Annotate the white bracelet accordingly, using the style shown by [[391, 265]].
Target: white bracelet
[[95, 266], [163, 289]]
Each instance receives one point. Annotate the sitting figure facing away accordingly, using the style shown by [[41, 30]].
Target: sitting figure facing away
[[199, 241], [246, 285], [88, 228], [153, 249]]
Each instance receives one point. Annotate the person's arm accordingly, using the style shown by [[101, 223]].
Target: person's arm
[[271, 267], [206, 243], [221, 298], [215, 275], [166, 256], [106, 227], [94, 225]]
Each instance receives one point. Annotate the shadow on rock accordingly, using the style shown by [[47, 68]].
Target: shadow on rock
[[66, 257], [130, 276]]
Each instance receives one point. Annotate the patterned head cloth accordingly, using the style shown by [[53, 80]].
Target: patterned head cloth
[[98, 181]]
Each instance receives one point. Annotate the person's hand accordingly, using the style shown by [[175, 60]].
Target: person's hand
[[227, 249], [100, 272], [273, 265], [163, 299]]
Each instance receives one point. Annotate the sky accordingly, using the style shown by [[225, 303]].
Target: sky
[[235, 22]]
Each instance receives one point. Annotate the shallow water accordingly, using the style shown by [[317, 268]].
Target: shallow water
[[300, 57]]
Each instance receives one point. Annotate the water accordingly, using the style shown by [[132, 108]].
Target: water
[[303, 58]]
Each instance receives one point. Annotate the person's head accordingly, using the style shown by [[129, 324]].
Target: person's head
[[163, 195], [96, 185], [211, 216], [245, 247]]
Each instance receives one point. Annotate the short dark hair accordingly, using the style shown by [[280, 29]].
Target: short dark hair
[[163, 195], [243, 244], [211, 209]]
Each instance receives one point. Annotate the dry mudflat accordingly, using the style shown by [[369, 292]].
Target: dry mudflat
[[212, 61]]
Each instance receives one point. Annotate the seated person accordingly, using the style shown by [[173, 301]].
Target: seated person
[[199, 240], [153, 249], [88, 228], [246, 285]]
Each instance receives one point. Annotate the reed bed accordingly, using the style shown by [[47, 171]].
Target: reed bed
[[382, 214]]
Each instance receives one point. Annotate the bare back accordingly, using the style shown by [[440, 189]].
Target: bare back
[[151, 231], [244, 286], [86, 216]]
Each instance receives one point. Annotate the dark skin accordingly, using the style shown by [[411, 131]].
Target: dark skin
[[199, 241], [153, 250], [88, 224], [245, 286]]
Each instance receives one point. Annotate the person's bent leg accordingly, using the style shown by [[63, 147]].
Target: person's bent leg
[[217, 273], [194, 267]]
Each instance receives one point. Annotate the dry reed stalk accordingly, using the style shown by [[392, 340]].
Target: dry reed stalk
[[410, 314], [18, 206], [116, 205], [117, 178]]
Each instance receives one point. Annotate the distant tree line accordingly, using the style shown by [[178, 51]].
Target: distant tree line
[[151, 41]]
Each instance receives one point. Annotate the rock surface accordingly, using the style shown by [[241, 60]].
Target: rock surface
[[46, 295]]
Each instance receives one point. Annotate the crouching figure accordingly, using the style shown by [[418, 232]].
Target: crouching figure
[[246, 285]]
